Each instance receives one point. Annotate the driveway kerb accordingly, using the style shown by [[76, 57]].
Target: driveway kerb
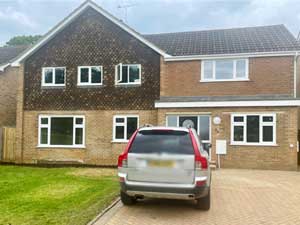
[[107, 213]]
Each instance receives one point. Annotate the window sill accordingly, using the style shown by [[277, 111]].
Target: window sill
[[233, 80], [254, 144], [89, 85], [53, 87], [119, 141], [129, 85], [61, 146]]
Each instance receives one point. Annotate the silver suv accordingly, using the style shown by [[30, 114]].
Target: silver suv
[[165, 162]]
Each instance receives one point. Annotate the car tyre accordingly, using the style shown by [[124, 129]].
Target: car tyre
[[204, 203], [126, 199]]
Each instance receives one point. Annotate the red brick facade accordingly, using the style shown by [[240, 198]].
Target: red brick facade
[[267, 76]]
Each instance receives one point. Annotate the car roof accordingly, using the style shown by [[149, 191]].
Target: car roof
[[164, 128]]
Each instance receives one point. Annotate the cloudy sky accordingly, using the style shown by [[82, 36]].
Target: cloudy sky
[[24, 17]]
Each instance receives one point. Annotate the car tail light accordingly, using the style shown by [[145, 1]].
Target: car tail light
[[122, 161], [123, 158], [200, 161]]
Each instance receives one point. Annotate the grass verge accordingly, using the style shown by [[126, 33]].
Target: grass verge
[[32, 195]]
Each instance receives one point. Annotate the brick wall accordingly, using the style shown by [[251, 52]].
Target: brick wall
[[92, 40], [100, 150], [8, 94], [268, 75], [281, 157]]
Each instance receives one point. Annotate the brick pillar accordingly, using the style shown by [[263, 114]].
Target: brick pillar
[[163, 77], [19, 119]]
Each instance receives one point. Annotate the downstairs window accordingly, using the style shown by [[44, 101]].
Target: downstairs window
[[61, 131], [124, 127], [253, 129]]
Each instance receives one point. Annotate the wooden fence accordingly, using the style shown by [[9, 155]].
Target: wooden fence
[[8, 144]]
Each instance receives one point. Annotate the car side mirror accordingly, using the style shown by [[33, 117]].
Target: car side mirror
[[209, 145]]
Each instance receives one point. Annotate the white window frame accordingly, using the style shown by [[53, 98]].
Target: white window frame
[[115, 124], [261, 125], [53, 84], [234, 78], [121, 69], [48, 126], [89, 83]]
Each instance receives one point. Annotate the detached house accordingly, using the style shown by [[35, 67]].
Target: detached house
[[92, 80]]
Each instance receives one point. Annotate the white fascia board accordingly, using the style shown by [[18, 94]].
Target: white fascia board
[[227, 104], [71, 17], [2, 67], [229, 56]]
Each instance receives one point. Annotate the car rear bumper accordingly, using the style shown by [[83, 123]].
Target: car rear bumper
[[165, 192]]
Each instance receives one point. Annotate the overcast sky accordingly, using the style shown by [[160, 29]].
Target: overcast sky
[[24, 17]]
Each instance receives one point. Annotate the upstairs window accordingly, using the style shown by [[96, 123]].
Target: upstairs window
[[224, 70], [53, 76], [90, 75], [253, 129], [128, 74]]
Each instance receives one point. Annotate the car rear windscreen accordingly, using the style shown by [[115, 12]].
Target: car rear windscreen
[[162, 142]]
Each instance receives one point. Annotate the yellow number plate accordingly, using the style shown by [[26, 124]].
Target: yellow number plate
[[158, 163]]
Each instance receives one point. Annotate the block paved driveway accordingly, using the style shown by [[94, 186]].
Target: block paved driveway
[[239, 197]]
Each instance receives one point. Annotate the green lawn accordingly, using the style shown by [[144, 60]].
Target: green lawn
[[30, 195]]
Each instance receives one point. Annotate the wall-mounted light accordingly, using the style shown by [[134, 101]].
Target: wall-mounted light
[[217, 120]]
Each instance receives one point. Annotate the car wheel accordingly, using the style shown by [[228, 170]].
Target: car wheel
[[204, 203], [126, 199]]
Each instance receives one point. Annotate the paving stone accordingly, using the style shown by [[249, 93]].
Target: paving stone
[[238, 197]]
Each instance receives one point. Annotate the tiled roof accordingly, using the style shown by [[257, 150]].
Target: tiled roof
[[226, 41], [8, 53]]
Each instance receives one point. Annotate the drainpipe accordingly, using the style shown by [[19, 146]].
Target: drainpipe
[[295, 74]]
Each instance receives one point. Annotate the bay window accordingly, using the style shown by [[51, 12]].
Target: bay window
[[253, 129], [224, 70], [61, 131]]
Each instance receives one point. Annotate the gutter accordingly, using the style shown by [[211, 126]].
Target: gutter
[[216, 104], [229, 56]]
